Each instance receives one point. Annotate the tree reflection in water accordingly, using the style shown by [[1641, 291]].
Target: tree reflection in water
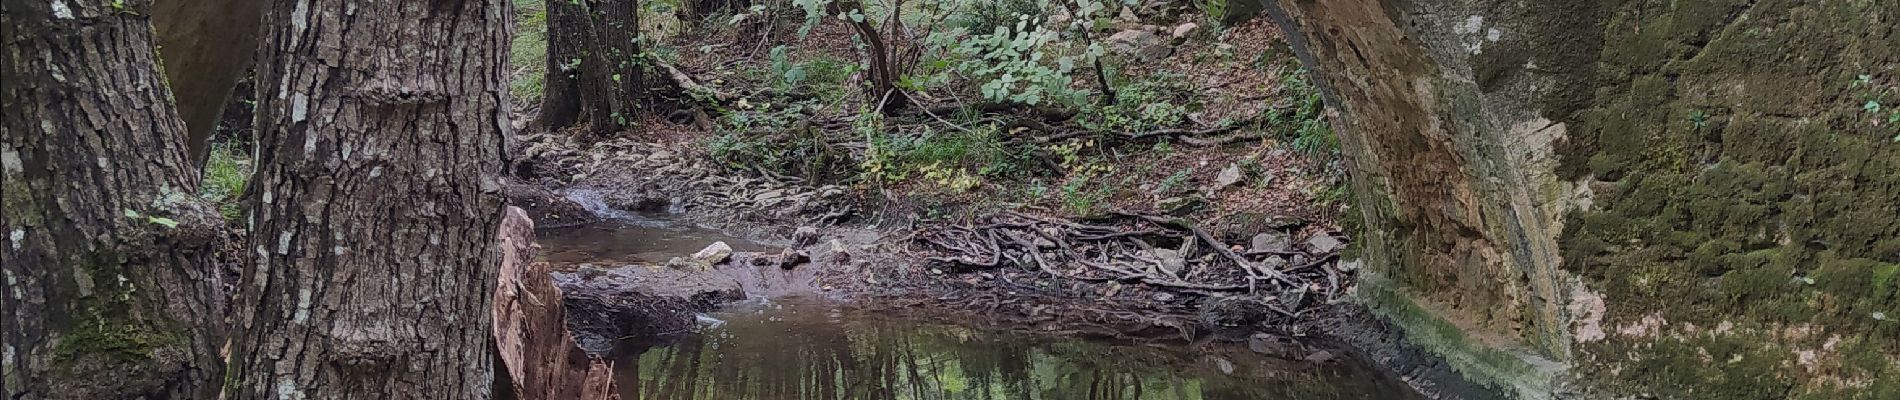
[[811, 352]]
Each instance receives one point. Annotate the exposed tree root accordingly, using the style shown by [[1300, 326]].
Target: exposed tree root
[[1160, 252]]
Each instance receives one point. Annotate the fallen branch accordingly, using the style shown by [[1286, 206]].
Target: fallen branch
[[692, 87]]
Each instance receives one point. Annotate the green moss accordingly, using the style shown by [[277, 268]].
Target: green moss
[[1745, 188]]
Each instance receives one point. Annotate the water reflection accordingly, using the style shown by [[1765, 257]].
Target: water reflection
[[801, 351]]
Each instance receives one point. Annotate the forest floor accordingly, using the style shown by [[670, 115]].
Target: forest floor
[[1208, 197]]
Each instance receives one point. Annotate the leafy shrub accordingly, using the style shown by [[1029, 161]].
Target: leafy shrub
[[1017, 64]]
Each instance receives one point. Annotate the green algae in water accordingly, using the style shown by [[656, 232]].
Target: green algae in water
[[800, 351]]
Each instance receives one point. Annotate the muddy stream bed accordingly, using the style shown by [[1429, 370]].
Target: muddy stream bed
[[813, 346]]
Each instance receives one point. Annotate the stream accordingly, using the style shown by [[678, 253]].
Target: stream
[[799, 348]]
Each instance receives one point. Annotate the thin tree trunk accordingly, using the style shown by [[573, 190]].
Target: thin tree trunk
[[108, 289], [207, 46], [561, 91], [374, 206]]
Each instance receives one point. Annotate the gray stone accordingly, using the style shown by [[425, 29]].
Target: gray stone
[[1171, 260], [1228, 177], [1143, 44], [1274, 241], [1323, 244], [804, 236], [790, 258], [1179, 206], [1185, 29], [715, 253]]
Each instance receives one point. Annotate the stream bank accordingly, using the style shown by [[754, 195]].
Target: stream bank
[[615, 252], [752, 330]]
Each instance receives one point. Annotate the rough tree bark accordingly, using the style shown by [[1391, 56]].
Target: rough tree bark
[[107, 288], [375, 204], [207, 46], [561, 91], [615, 83], [620, 69]]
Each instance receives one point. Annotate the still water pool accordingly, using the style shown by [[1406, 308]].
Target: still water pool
[[800, 350]]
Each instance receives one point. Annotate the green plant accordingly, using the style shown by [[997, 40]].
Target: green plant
[[1153, 103], [989, 15], [1216, 10], [1174, 181], [1307, 125], [528, 51], [1699, 119], [1078, 199], [227, 170], [1018, 64]]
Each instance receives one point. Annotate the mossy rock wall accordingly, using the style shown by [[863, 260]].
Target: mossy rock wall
[[1684, 199]]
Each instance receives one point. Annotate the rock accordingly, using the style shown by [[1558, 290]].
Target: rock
[[1284, 222], [804, 236], [1171, 260], [1183, 30], [1320, 356], [838, 253], [715, 253], [1323, 244], [1274, 241], [1179, 206], [1273, 263], [790, 258], [1234, 313], [1227, 177], [1143, 44], [688, 263]]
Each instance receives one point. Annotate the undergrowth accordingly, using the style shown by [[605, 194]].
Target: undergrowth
[[227, 170]]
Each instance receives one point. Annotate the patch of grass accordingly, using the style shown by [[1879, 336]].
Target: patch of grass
[[1306, 124], [227, 170], [1159, 101], [527, 56]]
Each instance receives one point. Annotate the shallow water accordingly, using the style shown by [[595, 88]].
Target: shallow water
[[625, 240], [793, 349], [808, 350]]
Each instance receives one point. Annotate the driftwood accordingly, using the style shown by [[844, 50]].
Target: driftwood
[[540, 358]]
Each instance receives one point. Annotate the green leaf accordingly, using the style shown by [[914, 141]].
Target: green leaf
[[167, 222], [1871, 106], [132, 214]]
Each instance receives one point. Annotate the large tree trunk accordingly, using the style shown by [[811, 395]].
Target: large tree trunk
[[567, 37], [106, 247], [374, 207], [207, 46]]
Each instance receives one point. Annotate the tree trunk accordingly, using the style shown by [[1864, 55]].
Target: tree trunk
[[622, 69], [108, 287], [567, 38], [693, 11], [207, 46], [374, 206]]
